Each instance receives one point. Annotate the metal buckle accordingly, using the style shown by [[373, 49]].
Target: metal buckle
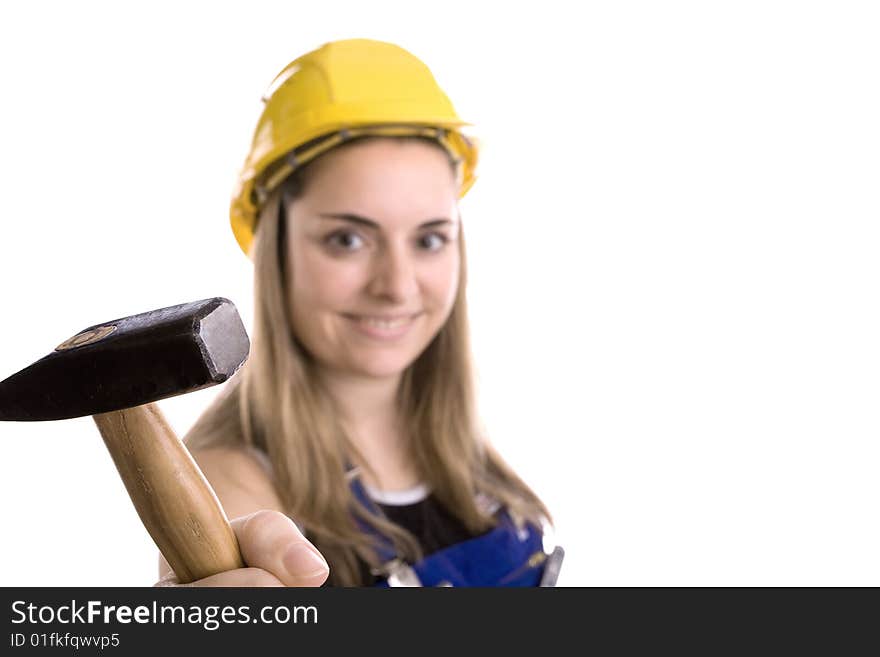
[[551, 568], [399, 573]]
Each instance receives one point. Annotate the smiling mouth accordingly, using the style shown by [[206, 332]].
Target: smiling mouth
[[384, 321], [384, 327]]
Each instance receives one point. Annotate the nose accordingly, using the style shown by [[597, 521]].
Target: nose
[[394, 274]]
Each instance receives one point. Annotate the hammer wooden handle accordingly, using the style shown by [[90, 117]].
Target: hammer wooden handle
[[174, 500]]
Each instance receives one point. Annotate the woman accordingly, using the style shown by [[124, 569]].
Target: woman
[[354, 414]]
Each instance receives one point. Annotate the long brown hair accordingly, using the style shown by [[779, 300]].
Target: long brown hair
[[277, 404]]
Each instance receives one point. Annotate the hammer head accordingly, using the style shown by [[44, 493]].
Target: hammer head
[[129, 362]]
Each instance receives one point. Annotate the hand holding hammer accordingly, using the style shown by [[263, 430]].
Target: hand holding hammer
[[114, 371]]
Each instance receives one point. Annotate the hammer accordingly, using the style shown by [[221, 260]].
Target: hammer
[[114, 371]]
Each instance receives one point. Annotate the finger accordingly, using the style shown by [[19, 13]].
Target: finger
[[271, 541], [240, 577]]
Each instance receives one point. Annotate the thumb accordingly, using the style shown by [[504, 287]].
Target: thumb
[[271, 541]]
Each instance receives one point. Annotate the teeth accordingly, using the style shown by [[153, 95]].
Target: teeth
[[384, 323]]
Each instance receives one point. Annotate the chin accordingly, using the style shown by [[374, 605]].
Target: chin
[[382, 371], [383, 368]]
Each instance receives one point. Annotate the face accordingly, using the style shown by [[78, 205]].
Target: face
[[372, 255]]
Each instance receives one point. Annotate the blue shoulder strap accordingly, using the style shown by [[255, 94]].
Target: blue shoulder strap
[[385, 548]]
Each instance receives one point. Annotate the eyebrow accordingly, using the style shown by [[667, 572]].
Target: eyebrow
[[369, 223]]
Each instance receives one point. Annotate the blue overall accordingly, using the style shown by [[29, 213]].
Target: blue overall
[[504, 556]]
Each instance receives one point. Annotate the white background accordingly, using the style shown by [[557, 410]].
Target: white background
[[673, 253]]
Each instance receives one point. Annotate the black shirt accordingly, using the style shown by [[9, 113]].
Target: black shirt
[[429, 521]]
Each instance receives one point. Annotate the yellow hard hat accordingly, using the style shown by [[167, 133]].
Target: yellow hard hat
[[341, 90]]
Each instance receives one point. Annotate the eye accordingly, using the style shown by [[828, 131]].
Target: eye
[[344, 240], [438, 242]]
